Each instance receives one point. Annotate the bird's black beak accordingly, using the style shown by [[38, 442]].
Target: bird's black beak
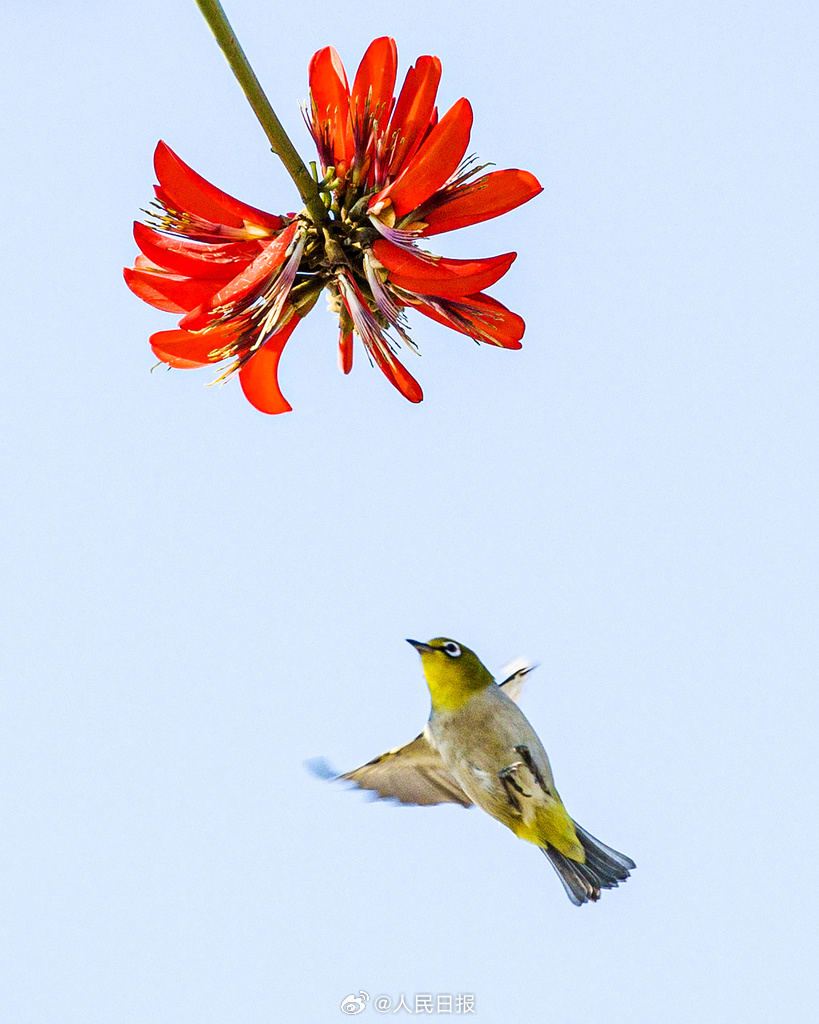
[[422, 648]]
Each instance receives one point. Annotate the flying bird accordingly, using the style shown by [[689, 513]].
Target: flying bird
[[478, 748]]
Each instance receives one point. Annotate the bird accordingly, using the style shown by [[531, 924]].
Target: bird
[[479, 748]]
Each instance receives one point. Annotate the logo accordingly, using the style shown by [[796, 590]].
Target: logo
[[354, 1004]]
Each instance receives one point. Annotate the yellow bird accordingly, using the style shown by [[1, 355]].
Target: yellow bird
[[478, 748]]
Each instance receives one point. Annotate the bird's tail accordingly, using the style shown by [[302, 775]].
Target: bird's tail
[[604, 868]]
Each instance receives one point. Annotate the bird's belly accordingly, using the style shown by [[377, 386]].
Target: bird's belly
[[478, 780], [495, 778]]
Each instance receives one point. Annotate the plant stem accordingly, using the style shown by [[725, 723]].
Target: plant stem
[[280, 143]]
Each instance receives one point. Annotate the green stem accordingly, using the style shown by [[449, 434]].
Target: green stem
[[280, 143]]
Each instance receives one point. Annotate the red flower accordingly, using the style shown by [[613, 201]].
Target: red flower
[[393, 173]]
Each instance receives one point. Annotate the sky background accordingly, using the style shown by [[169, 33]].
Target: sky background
[[196, 597]]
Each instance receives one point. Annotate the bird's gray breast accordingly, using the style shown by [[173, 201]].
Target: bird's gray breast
[[480, 739]]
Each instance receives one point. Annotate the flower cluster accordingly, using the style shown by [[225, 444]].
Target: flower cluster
[[392, 174]]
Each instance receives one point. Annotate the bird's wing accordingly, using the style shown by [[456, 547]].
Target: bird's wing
[[412, 774], [416, 773], [516, 672]]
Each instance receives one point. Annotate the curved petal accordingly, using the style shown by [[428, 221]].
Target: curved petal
[[191, 192], [413, 110], [171, 293], [197, 227], [374, 341], [251, 277], [194, 259], [185, 350], [143, 263], [375, 79], [331, 100], [259, 376], [480, 317], [441, 276], [434, 163], [396, 373], [345, 352], [486, 197]]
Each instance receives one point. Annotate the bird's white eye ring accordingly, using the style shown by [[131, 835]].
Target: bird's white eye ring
[[452, 649]]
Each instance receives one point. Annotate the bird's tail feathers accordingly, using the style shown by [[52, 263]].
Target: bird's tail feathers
[[604, 868]]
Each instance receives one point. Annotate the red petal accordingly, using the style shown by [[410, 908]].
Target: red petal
[[432, 122], [397, 374], [191, 192], [375, 78], [413, 109], [434, 163], [169, 292], [143, 263], [331, 99], [490, 196], [445, 277], [345, 352], [244, 283], [195, 259], [259, 375], [185, 350], [494, 324]]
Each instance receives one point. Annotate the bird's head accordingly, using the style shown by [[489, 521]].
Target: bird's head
[[453, 672]]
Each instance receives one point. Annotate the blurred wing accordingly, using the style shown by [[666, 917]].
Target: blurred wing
[[516, 672], [412, 774]]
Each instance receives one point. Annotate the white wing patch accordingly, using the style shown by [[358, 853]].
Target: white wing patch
[[514, 676]]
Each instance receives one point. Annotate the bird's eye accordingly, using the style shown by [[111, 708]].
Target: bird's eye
[[453, 650]]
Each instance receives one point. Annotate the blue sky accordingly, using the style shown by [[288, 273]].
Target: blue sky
[[198, 598]]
